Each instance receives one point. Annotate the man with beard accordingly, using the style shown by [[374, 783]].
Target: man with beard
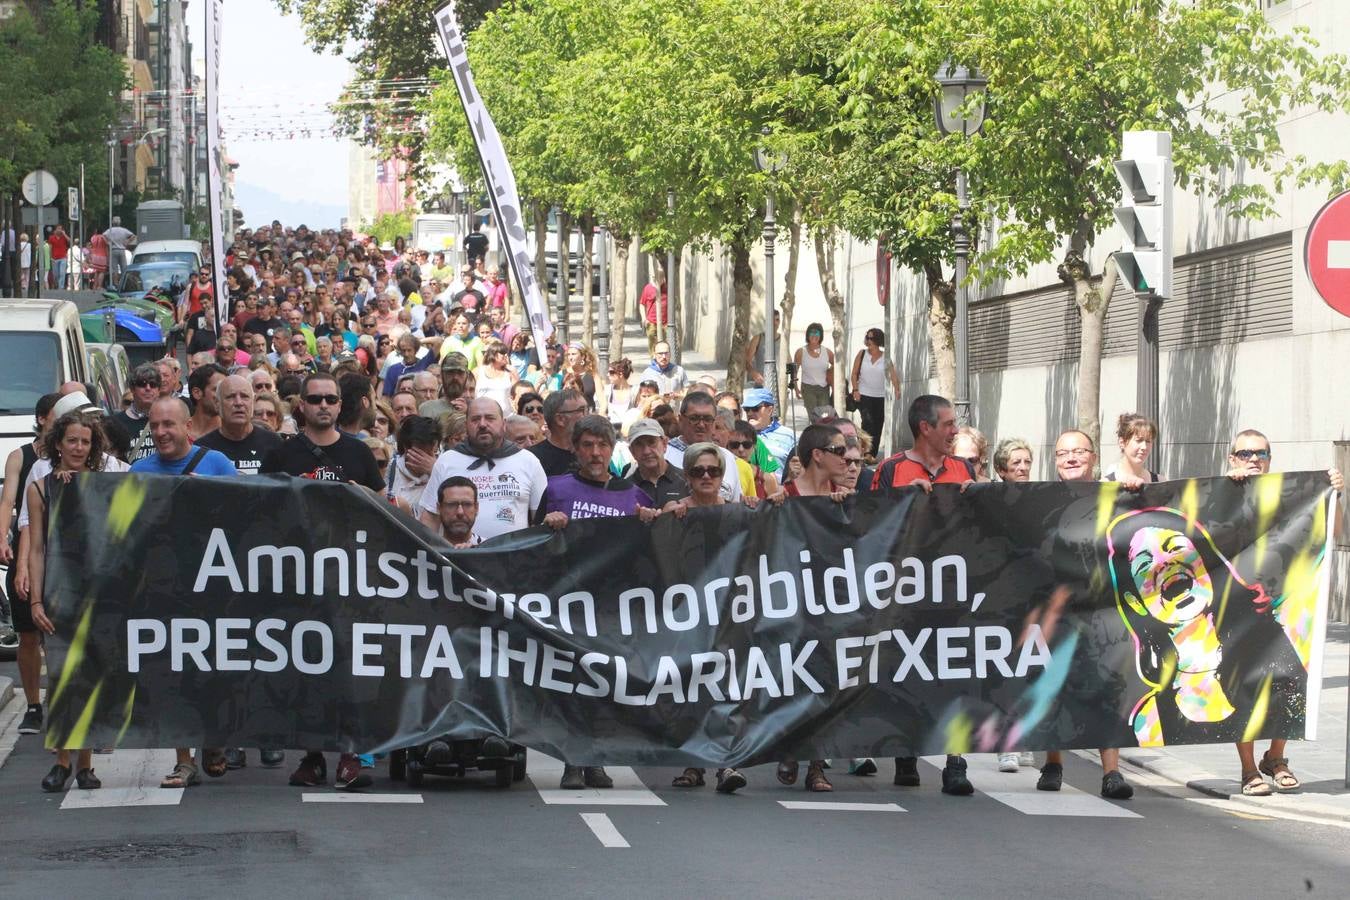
[[458, 509], [454, 377], [510, 481], [202, 389]]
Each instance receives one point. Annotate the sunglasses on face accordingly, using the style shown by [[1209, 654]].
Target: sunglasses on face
[[853, 461], [740, 445], [1252, 454], [836, 449], [144, 384], [705, 472], [533, 408], [323, 399]]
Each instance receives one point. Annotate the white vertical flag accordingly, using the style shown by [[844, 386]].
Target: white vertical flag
[[501, 183], [214, 189]]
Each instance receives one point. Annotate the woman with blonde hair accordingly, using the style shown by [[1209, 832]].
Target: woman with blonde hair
[[972, 446]]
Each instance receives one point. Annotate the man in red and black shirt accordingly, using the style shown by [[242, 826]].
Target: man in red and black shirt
[[932, 421]]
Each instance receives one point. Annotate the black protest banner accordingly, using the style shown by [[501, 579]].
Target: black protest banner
[[273, 612]]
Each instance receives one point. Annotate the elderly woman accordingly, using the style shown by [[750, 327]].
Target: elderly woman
[[972, 446], [1012, 460], [703, 468]]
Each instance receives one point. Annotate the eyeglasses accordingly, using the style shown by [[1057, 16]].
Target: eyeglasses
[[264, 386], [837, 449], [1077, 452], [458, 504], [740, 445], [973, 460], [705, 472], [367, 324], [533, 408], [1252, 454], [323, 399], [569, 412], [141, 384], [851, 461], [700, 420]]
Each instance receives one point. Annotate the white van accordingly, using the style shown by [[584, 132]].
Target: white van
[[41, 348], [189, 252]]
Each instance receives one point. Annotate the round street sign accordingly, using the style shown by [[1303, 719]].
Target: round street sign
[[1326, 253], [39, 187]]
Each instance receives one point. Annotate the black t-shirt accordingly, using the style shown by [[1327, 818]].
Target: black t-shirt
[[457, 299], [248, 454], [555, 460], [476, 243], [138, 434], [265, 327], [346, 460], [203, 338]]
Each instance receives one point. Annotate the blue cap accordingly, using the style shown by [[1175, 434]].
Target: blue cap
[[756, 397]]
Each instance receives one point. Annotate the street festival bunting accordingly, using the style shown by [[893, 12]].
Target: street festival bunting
[[281, 612], [497, 173]]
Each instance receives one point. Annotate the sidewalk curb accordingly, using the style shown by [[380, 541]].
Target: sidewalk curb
[[6, 690]]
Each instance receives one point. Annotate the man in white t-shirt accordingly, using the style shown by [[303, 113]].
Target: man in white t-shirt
[[510, 482]]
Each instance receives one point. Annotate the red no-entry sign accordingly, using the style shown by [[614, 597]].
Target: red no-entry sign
[[1326, 253]]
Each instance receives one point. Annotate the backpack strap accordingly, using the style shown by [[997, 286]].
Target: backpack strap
[[195, 461]]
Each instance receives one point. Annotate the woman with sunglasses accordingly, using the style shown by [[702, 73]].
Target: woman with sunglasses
[[703, 467], [815, 366], [531, 406]]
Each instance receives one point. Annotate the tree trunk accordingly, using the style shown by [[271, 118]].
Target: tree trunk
[[790, 300], [825, 243], [618, 295], [587, 277], [564, 244], [1092, 297], [941, 315], [742, 281]]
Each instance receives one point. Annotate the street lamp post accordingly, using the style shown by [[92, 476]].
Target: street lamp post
[[770, 163], [602, 329], [959, 109]]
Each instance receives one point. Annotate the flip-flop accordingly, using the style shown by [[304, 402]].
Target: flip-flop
[[690, 778]]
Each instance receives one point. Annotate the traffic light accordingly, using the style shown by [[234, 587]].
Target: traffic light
[[1145, 212]]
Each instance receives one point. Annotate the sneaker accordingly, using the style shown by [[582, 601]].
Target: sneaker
[[9, 638], [1052, 777], [32, 720], [573, 778], [234, 758], [311, 772], [1007, 762], [1026, 758], [729, 781], [271, 759], [597, 777], [864, 766], [350, 776], [954, 780], [1115, 787], [907, 771]]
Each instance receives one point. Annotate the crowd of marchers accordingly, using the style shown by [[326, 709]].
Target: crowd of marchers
[[338, 359]]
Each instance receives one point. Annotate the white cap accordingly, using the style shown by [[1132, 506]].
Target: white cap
[[76, 402]]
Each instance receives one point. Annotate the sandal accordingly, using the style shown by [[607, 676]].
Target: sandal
[[1253, 785], [816, 782], [214, 763], [183, 775], [787, 772], [691, 778], [1278, 769]]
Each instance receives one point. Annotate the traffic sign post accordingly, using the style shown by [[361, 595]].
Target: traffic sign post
[[39, 188], [1326, 253]]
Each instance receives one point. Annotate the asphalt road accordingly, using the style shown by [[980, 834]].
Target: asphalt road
[[249, 834]]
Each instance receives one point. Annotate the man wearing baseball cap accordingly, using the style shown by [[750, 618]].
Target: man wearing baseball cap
[[777, 437], [454, 378], [650, 470]]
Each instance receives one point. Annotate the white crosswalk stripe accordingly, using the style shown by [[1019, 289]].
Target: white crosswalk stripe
[[130, 778], [1018, 790], [545, 772]]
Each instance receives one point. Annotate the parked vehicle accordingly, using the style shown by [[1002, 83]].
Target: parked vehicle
[[189, 252], [41, 347], [109, 373], [137, 332], [141, 277]]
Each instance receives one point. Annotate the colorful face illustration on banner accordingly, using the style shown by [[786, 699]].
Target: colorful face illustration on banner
[[1170, 579]]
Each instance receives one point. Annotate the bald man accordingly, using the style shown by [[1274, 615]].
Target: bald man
[[238, 438], [174, 453]]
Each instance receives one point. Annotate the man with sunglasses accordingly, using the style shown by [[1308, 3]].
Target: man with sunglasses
[[323, 453], [135, 419]]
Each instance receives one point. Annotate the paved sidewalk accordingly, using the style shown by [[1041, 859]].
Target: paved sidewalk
[[1212, 769]]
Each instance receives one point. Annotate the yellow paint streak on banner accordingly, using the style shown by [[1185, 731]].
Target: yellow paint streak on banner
[[1297, 609], [81, 729], [1106, 505], [958, 734], [126, 719], [1268, 488], [75, 655], [126, 504], [1259, 709], [1189, 506]]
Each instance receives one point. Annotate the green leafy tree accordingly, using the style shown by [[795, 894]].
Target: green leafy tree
[[388, 226], [56, 116]]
